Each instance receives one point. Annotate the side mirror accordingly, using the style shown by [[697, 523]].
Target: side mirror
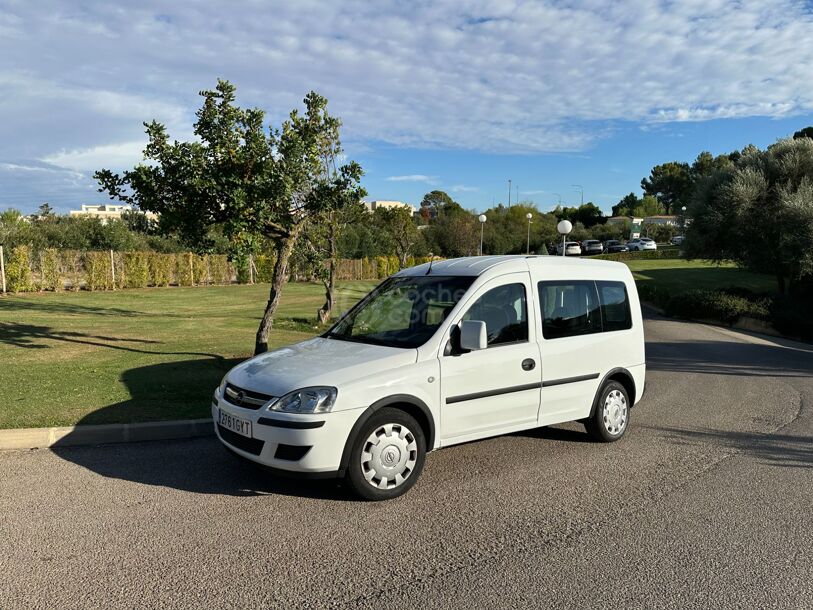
[[473, 335]]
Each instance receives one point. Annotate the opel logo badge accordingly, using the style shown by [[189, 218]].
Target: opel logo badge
[[240, 396]]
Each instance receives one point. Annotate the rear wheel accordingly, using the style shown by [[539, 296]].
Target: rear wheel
[[611, 416], [387, 455]]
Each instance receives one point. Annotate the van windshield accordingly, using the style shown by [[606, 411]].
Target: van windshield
[[401, 311]]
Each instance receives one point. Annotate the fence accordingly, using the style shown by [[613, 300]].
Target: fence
[[21, 270]]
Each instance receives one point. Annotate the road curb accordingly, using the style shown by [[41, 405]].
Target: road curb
[[70, 436]]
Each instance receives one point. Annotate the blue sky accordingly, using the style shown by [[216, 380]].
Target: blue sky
[[459, 95]]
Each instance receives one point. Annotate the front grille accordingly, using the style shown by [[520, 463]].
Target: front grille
[[254, 446], [245, 399]]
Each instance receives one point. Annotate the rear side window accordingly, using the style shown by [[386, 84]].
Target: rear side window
[[505, 313], [569, 309], [583, 307], [615, 306]]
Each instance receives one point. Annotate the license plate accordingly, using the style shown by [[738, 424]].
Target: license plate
[[235, 424]]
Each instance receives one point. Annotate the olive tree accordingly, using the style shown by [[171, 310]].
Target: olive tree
[[260, 184], [759, 212]]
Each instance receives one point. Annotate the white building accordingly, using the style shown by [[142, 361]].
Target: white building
[[662, 220], [106, 211], [372, 206]]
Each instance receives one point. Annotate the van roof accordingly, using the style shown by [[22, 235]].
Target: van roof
[[478, 265]]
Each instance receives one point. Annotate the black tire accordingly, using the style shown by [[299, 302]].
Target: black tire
[[410, 455], [602, 426]]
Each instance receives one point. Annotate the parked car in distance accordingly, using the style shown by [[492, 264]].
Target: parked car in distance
[[572, 248], [592, 246], [677, 240], [641, 243], [441, 354], [612, 246]]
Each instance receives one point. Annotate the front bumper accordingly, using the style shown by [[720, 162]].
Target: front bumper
[[309, 445]]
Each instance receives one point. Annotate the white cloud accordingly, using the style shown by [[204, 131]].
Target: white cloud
[[413, 178], [462, 188], [505, 77], [115, 156]]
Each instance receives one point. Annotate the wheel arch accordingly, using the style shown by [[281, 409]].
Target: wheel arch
[[622, 376], [412, 405]]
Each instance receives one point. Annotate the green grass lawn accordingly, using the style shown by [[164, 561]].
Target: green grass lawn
[[679, 274], [158, 353], [136, 355]]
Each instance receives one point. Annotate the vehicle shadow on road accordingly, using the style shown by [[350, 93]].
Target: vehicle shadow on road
[[180, 390], [199, 465], [787, 450], [729, 358]]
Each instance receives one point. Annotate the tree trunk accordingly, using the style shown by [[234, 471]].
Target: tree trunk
[[284, 249], [330, 300], [780, 282]]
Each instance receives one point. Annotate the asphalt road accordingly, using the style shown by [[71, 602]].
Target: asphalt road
[[706, 503]]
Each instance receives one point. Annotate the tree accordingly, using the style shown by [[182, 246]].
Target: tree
[[259, 184], [670, 183], [400, 229], [806, 132], [137, 221], [44, 211], [433, 203], [456, 234], [323, 235], [626, 205], [759, 213], [648, 206], [587, 214]]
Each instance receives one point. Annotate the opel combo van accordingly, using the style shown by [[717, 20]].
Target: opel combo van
[[441, 354]]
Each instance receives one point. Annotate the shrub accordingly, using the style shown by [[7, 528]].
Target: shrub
[[382, 267], [219, 269], [663, 254], [200, 269], [791, 316], [264, 268], [657, 295], [241, 266], [184, 269], [160, 268], [715, 305], [51, 267], [18, 270], [72, 266], [97, 271], [136, 271]]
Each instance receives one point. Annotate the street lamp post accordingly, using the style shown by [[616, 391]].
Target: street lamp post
[[529, 216], [509, 192], [683, 222], [564, 227], [482, 219], [581, 188]]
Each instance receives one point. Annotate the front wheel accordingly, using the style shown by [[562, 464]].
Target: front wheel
[[387, 456], [612, 414]]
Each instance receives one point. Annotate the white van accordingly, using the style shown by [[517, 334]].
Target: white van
[[437, 355]]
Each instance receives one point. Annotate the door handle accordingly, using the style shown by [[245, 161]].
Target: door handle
[[528, 364]]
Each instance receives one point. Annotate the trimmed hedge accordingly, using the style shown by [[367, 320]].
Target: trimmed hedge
[[790, 315], [715, 305], [18, 270], [644, 255]]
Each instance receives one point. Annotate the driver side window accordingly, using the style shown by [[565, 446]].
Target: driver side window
[[505, 312]]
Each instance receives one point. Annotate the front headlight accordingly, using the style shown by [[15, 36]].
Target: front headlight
[[222, 386], [318, 399]]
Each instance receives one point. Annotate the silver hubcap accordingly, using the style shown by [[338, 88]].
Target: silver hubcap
[[614, 413], [388, 456]]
